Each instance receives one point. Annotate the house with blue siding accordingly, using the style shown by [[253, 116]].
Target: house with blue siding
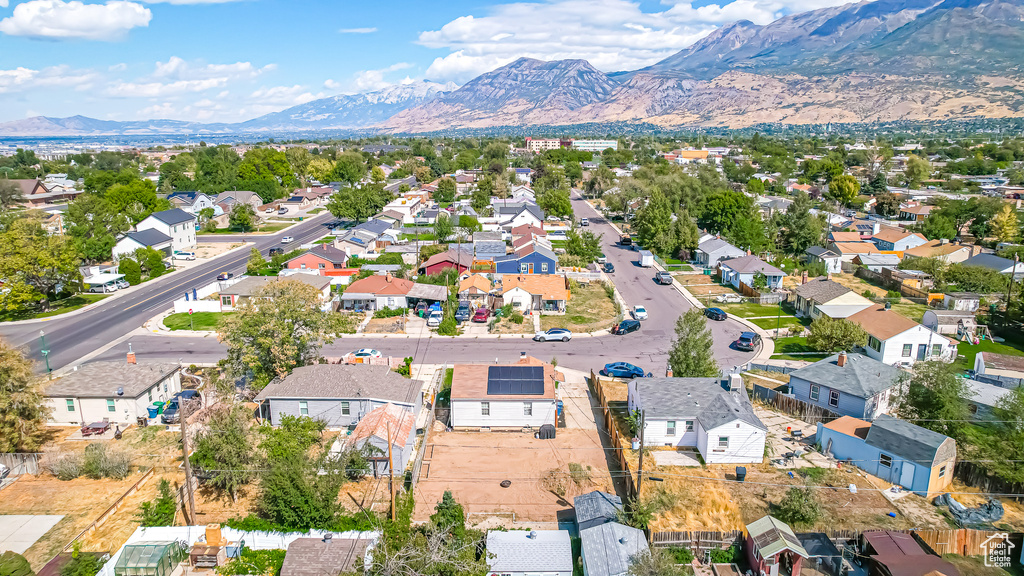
[[339, 394], [534, 259], [847, 384], [896, 451]]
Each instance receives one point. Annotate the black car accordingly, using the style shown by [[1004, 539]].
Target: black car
[[715, 313], [625, 327], [747, 341], [609, 268], [463, 313], [171, 415], [275, 251], [225, 276]]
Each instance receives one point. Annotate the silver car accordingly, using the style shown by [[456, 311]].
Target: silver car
[[557, 334]]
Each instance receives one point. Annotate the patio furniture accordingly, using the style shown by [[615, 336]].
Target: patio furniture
[[95, 428]]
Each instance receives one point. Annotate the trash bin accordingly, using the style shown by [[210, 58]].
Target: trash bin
[[741, 473], [159, 406], [153, 411]]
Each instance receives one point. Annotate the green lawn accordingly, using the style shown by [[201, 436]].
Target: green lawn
[[316, 210], [969, 351], [791, 348], [783, 322], [909, 309], [57, 307], [325, 240], [199, 321], [426, 236], [558, 243], [752, 310], [276, 227]]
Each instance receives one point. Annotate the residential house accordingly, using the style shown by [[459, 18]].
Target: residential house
[[823, 296], [192, 202], [742, 270], [339, 394], [833, 262], [940, 250], [610, 549], [999, 367], [475, 287], [392, 216], [876, 262], [528, 230], [323, 258], [855, 236], [896, 451], [914, 211], [232, 297], [504, 396], [962, 301], [457, 259], [890, 239], [132, 241], [916, 279], [388, 424], [35, 193], [176, 223], [986, 396], [849, 250], [115, 392], [999, 264], [529, 260], [369, 237], [513, 215], [229, 198], [524, 175], [488, 245], [408, 207], [961, 325], [848, 384], [547, 293], [773, 548], [712, 251], [529, 553], [379, 292], [464, 183], [325, 556], [596, 508], [709, 414], [899, 554], [896, 339]]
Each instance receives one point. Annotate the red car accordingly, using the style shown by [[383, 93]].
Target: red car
[[481, 315]]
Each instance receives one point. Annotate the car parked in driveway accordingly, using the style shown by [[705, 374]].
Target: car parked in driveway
[[557, 334], [747, 341], [172, 410], [663, 277], [463, 313], [639, 312], [715, 314], [434, 319], [481, 315], [622, 370], [122, 284], [625, 327]]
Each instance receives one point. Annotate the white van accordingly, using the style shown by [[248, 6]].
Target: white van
[[185, 255]]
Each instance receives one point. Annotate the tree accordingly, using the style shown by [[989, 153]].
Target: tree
[[136, 200], [1008, 437], [445, 190], [800, 507], [423, 174], [835, 335], [722, 208], [755, 186], [938, 226], [94, 226], [280, 328], [223, 449], [448, 512], [879, 185], [917, 170], [574, 172], [357, 203], [159, 512], [692, 353], [81, 563], [481, 197], [131, 269], [653, 224], [377, 175], [14, 564], [555, 202], [1004, 224], [299, 159], [242, 217], [206, 214], [256, 262], [654, 562], [320, 169], [935, 397], [10, 195], [585, 245], [152, 261], [801, 229], [443, 228], [886, 203], [35, 265], [748, 233], [843, 189], [600, 181], [350, 168], [23, 408]]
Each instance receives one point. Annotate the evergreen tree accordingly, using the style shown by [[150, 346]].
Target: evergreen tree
[[692, 354]]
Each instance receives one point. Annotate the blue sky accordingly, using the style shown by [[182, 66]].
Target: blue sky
[[231, 60]]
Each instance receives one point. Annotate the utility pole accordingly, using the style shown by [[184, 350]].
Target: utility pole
[[1009, 290], [183, 411], [640, 466], [391, 473]]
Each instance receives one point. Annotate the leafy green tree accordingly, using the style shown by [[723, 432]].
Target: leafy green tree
[[299, 159], [131, 269], [938, 226], [917, 170], [10, 195], [159, 512], [449, 513], [748, 233], [886, 203], [574, 172], [357, 203], [444, 227], [242, 217], [600, 181], [692, 354], [320, 169], [879, 185], [223, 450], [843, 189], [445, 190], [585, 245], [1008, 438], [256, 262], [800, 507], [801, 229], [686, 232], [755, 186], [722, 208], [349, 167], [152, 261], [975, 278], [35, 264], [653, 224], [481, 196], [935, 397], [835, 335], [1004, 225], [94, 225], [23, 408], [265, 164], [206, 214], [136, 200], [555, 202]]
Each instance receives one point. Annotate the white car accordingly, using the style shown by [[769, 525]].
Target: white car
[[367, 353], [434, 319], [639, 312], [287, 240], [185, 255]]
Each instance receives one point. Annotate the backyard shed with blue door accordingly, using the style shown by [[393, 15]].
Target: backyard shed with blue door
[[896, 451]]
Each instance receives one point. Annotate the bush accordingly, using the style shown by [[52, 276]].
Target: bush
[[680, 554], [210, 226], [893, 296], [81, 564], [265, 562], [14, 564], [389, 312], [799, 507], [727, 556], [159, 512], [131, 270], [448, 326], [99, 462], [63, 465], [516, 317], [868, 294]]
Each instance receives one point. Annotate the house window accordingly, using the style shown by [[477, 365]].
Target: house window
[[523, 268], [874, 343], [527, 408], [815, 392], [885, 460], [723, 441], [322, 265], [936, 349], [110, 404], [544, 267], [344, 408], [304, 408], [908, 349], [689, 425], [71, 404], [302, 265], [485, 408], [833, 398], [149, 394], [225, 300], [942, 471], [670, 428]]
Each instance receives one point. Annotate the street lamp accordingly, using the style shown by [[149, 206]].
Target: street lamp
[[44, 351]]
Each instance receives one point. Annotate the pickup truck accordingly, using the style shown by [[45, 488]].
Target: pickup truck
[[663, 277]]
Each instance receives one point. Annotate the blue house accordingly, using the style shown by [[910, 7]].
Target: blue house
[[847, 384], [533, 259], [898, 452], [744, 268]]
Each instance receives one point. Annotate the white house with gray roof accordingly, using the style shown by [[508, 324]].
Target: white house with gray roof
[[610, 549], [745, 268], [529, 553], [176, 223], [847, 384], [115, 392], [709, 414], [833, 262], [713, 250]]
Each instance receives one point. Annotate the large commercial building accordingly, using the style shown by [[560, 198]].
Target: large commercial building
[[542, 144], [595, 145]]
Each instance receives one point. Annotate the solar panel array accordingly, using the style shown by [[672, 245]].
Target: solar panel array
[[515, 380]]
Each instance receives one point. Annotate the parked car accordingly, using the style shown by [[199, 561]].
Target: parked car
[[622, 370], [602, 259], [639, 312], [463, 313], [172, 409], [102, 288], [608, 268], [282, 211], [367, 353], [559, 334], [715, 313], [185, 255], [747, 341], [122, 284], [287, 240], [663, 277], [269, 210], [434, 319], [481, 315], [4, 471], [625, 327], [275, 251], [225, 276], [626, 240], [584, 222]]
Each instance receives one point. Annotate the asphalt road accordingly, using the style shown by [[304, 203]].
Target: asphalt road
[[72, 337], [647, 348]]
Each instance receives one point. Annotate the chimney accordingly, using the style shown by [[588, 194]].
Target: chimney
[[829, 276], [841, 359], [943, 241], [875, 227], [131, 355], [748, 251], [803, 277], [522, 358], [668, 373], [387, 277]]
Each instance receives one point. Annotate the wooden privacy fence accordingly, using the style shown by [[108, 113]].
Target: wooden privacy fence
[[762, 298], [698, 542], [965, 542], [976, 476], [21, 463], [798, 408], [614, 436]]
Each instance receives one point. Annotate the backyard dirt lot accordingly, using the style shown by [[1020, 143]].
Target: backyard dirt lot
[[473, 464]]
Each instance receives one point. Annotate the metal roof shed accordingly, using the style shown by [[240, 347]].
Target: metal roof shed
[[149, 559]]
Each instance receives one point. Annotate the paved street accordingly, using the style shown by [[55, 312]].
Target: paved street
[[69, 338]]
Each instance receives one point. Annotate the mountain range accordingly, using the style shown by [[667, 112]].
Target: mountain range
[[881, 60]]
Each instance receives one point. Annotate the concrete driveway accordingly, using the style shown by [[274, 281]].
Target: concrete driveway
[[18, 533]]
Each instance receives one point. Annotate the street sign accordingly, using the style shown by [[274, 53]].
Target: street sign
[[189, 311]]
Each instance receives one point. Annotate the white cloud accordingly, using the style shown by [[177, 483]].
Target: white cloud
[[178, 76], [56, 19], [118, 67], [179, 69], [357, 30], [368, 80], [3, 3], [23, 79], [332, 85], [163, 89], [188, 1]]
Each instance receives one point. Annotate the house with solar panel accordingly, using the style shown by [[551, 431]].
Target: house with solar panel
[[504, 396]]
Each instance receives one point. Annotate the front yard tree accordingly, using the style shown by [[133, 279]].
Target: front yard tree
[[843, 189], [256, 262], [357, 203], [692, 354], [242, 217], [35, 264], [653, 224], [444, 227], [586, 244], [23, 409], [935, 397], [800, 507], [835, 335], [445, 190], [280, 328], [350, 167], [94, 225]]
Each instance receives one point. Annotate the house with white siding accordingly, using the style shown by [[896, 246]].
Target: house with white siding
[[176, 223], [529, 553], [712, 415], [504, 396], [826, 297], [847, 384], [744, 269], [339, 394], [896, 339]]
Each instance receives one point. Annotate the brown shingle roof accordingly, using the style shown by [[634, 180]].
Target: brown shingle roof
[[821, 290], [341, 381], [478, 281], [102, 379], [890, 234], [548, 286], [458, 257], [380, 285], [381, 421], [315, 557], [856, 248], [881, 323]]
